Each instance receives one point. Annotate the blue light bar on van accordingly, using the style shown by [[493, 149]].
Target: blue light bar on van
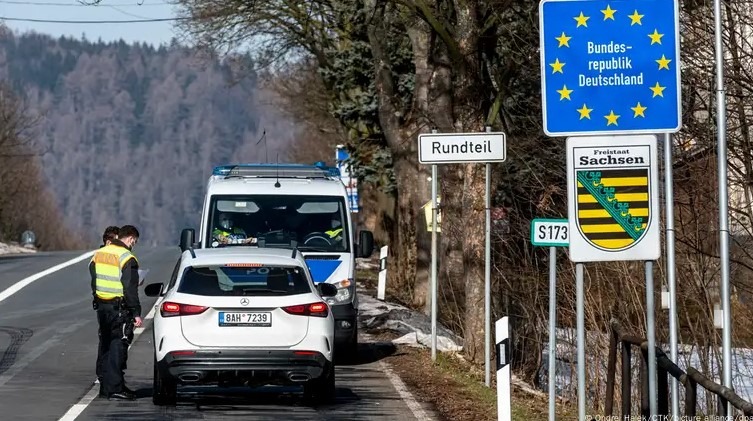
[[318, 170]]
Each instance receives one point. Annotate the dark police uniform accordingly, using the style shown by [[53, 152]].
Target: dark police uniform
[[115, 280]]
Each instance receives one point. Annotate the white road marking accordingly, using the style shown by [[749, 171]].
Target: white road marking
[[79, 407], [28, 280], [404, 393]]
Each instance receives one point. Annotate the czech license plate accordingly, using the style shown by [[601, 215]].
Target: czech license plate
[[246, 318]]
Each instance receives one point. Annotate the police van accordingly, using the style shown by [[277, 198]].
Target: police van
[[290, 205]]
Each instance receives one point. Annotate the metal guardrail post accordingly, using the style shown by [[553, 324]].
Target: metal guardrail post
[[722, 406], [627, 380], [663, 392], [645, 405], [611, 372], [691, 394]]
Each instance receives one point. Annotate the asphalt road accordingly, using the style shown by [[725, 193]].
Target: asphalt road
[[48, 341]]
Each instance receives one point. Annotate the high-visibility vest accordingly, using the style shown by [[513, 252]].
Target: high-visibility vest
[[108, 266], [220, 232], [334, 233]]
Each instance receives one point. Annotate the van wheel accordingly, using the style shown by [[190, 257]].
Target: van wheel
[[164, 387], [321, 390]]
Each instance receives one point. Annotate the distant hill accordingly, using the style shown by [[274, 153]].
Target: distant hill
[[129, 133]]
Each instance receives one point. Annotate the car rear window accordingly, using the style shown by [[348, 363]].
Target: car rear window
[[248, 281]]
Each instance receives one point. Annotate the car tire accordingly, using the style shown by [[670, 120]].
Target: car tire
[[346, 352], [164, 387], [321, 390]]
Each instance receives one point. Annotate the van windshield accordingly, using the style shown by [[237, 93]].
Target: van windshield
[[317, 223]]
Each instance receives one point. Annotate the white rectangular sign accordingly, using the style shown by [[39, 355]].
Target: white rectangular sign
[[613, 198], [452, 148], [550, 232]]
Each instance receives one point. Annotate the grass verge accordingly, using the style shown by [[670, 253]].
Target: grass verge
[[457, 390]]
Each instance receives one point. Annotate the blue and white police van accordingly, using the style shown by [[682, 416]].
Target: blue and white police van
[[284, 205]]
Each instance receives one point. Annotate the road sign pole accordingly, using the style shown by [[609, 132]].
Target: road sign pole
[[552, 233], [581, 339], [552, 328], [434, 262], [671, 272], [721, 118], [488, 274], [650, 323], [454, 148]]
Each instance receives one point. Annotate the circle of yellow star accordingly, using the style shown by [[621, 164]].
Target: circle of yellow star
[[564, 92], [608, 13], [581, 20], [655, 37], [563, 39], [635, 18], [638, 110], [663, 62], [585, 112], [557, 66], [611, 118], [658, 90]]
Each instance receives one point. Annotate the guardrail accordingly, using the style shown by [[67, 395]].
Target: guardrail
[[665, 368]]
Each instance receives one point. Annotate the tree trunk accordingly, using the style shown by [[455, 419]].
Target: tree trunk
[[420, 36], [400, 132]]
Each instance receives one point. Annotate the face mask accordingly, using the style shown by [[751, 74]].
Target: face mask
[[225, 223]]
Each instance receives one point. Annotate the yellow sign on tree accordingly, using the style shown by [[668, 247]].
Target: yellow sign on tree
[[427, 214]]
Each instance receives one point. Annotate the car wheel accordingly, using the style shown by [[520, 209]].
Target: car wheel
[[164, 387], [346, 352], [322, 389]]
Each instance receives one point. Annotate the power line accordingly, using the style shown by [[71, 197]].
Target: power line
[[39, 3], [92, 21]]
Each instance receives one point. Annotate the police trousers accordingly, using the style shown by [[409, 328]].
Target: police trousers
[[115, 335]]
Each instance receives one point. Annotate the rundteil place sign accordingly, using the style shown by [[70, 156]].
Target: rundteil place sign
[[445, 148]]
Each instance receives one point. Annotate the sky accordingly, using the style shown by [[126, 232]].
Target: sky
[[110, 10]]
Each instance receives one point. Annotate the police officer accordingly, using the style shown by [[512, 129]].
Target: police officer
[[115, 278], [110, 234], [227, 232]]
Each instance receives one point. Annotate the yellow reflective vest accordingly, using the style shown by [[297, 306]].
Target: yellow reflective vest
[[334, 233], [108, 266]]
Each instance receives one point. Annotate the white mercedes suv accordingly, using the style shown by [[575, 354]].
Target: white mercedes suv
[[243, 316]]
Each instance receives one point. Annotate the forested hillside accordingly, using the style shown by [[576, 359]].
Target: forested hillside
[[129, 133]]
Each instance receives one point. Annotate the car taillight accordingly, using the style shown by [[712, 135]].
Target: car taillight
[[318, 309], [170, 309]]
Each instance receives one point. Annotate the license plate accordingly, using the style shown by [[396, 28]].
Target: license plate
[[246, 318]]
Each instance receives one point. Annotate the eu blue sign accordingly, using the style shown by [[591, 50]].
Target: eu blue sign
[[610, 67]]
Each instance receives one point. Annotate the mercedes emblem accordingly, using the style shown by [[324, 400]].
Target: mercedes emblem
[[244, 301]]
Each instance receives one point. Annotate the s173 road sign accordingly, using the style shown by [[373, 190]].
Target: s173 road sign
[[550, 232]]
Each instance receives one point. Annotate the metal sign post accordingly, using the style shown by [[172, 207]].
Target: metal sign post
[[454, 148], [721, 125], [488, 271], [651, 332], [580, 327], [552, 233], [671, 273], [434, 288]]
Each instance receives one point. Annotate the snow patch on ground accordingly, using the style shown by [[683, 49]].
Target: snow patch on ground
[[14, 249], [414, 326]]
